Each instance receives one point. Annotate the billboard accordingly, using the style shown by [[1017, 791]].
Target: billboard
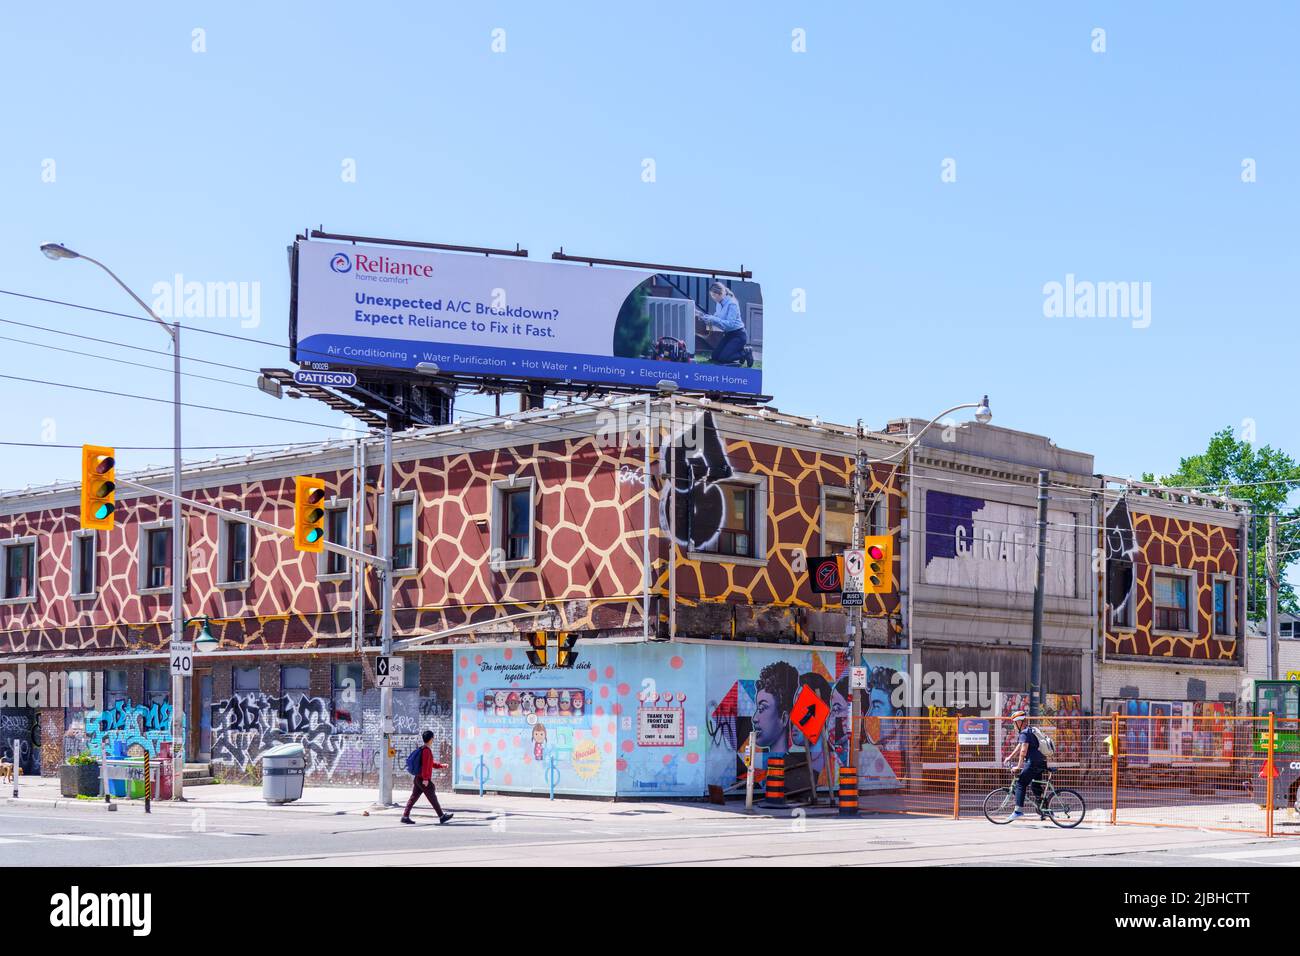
[[502, 318]]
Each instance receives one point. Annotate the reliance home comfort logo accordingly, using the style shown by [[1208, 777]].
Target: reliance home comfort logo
[[382, 268]]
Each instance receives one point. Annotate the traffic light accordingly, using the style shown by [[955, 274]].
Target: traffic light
[[879, 573], [565, 655], [537, 650], [98, 484], [309, 514]]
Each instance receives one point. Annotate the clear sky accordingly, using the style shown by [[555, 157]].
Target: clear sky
[[822, 171]]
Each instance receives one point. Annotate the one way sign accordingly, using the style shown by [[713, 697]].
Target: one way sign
[[809, 713], [389, 671]]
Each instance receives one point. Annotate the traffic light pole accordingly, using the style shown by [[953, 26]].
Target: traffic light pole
[[386, 625], [855, 613]]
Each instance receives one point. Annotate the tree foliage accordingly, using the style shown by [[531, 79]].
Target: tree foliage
[[1264, 476]]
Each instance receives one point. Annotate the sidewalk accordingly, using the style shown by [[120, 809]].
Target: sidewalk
[[44, 791]]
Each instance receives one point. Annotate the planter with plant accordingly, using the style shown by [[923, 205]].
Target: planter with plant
[[79, 777]]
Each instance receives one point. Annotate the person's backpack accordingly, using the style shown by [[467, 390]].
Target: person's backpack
[[413, 760], [1046, 745]]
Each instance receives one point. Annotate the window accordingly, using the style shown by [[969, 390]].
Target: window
[[1122, 616], [518, 529], [247, 680], [345, 691], [232, 556], [114, 688], [404, 535], [1289, 630], [837, 520], [83, 563], [737, 535], [1224, 610], [157, 558], [336, 532], [514, 514], [1171, 602], [294, 678], [20, 570], [156, 689]]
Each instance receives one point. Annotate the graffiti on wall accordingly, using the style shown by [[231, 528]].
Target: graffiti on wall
[[16, 724], [1121, 550], [246, 724], [341, 743], [699, 463], [130, 724]]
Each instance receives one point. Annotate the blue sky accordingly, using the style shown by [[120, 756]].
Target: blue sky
[[819, 170]]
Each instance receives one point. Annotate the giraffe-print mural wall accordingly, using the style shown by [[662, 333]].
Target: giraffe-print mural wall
[[1162, 541], [589, 537]]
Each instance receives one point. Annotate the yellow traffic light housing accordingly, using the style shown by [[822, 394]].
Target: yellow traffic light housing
[[309, 514], [565, 655], [98, 487], [878, 576], [537, 649]]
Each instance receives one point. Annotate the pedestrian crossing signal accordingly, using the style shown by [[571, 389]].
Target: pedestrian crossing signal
[[537, 649], [309, 514], [565, 656], [879, 572], [98, 487]]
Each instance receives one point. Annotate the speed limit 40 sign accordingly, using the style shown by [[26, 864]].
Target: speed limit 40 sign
[[182, 659]]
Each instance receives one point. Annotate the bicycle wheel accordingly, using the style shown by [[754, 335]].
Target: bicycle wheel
[[999, 805], [1066, 808]]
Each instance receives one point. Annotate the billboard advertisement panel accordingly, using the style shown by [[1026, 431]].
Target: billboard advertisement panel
[[395, 307]]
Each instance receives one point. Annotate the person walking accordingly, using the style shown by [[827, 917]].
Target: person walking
[[422, 779]]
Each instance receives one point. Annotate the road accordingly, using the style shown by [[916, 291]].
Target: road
[[619, 834]]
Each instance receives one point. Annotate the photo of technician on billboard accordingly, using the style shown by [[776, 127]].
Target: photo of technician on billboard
[[395, 308]]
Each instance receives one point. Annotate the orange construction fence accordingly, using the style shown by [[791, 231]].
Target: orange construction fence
[[1216, 773]]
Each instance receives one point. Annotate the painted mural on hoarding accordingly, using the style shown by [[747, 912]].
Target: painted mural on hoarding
[[881, 752], [396, 307], [976, 543], [1067, 731], [754, 689], [626, 719], [1160, 731]]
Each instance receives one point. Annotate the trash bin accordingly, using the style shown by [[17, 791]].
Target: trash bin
[[135, 783], [283, 768], [117, 785]]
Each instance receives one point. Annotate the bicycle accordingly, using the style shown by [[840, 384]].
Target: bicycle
[[1065, 808]]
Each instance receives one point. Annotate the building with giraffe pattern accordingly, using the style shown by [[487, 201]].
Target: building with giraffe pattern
[[672, 536]]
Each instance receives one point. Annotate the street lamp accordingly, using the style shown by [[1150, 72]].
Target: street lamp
[[57, 251], [207, 641]]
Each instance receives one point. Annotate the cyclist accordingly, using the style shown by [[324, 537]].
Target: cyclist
[[1030, 763]]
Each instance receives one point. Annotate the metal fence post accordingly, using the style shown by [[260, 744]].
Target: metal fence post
[[17, 764], [1114, 767], [749, 775], [956, 769], [1271, 772]]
